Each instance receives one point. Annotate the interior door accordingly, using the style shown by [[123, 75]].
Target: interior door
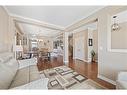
[[79, 48]]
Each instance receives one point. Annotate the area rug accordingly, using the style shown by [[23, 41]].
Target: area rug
[[63, 77]]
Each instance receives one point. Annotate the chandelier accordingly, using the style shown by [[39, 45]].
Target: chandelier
[[115, 26]]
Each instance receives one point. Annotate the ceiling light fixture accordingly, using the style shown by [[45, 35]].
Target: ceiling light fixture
[[115, 25]]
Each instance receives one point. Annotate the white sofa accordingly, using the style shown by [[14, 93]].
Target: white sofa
[[121, 82], [20, 75]]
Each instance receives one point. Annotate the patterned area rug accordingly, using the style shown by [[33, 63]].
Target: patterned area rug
[[64, 77]]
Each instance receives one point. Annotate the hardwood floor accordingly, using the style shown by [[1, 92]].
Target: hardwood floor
[[89, 70], [54, 62]]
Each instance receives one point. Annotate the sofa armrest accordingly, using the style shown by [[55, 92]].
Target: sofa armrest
[[27, 62], [122, 76], [121, 84], [38, 84]]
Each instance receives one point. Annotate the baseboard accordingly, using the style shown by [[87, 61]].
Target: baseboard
[[89, 60], [83, 60], [86, 61], [66, 62], [106, 79], [96, 61]]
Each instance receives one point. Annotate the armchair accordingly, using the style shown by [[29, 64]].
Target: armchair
[[121, 82]]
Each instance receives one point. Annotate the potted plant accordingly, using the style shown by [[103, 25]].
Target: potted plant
[[93, 56]]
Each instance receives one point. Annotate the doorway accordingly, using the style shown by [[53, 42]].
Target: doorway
[[86, 43]]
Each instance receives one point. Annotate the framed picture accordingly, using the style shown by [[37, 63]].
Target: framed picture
[[90, 42]]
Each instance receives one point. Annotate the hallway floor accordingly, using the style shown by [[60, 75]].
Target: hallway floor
[[89, 70]]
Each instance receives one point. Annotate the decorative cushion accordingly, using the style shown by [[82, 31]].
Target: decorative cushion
[[8, 60], [25, 75], [6, 76], [8, 67], [34, 73], [38, 84], [5, 57], [10, 74], [121, 84], [27, 62], [13, 64], [21, 78]]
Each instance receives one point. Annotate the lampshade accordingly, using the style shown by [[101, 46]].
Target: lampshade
[[18, 48]]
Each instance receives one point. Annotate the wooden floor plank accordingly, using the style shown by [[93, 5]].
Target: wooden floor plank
[[89, 70]]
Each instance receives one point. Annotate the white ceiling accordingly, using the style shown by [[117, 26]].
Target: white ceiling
[[92, 26], [59, 15], [37, 30], [121, 17]]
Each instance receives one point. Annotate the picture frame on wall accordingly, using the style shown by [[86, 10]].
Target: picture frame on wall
[[90, 42]]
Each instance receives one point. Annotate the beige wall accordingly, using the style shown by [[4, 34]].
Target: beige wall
[[119, 38], [90, 48], [95, 43], [7, 31], [11, 36], [4, 30], [109, 63]]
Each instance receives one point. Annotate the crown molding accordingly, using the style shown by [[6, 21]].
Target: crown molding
[[58, 34], [6, 10], [45, 24], [26, 20], [79, 20], [73, 26], [19, 29], [39, 37], [82, 28], [90, 19]]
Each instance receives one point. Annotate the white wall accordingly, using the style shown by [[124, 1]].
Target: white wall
[[80, 47], [65, 48]]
